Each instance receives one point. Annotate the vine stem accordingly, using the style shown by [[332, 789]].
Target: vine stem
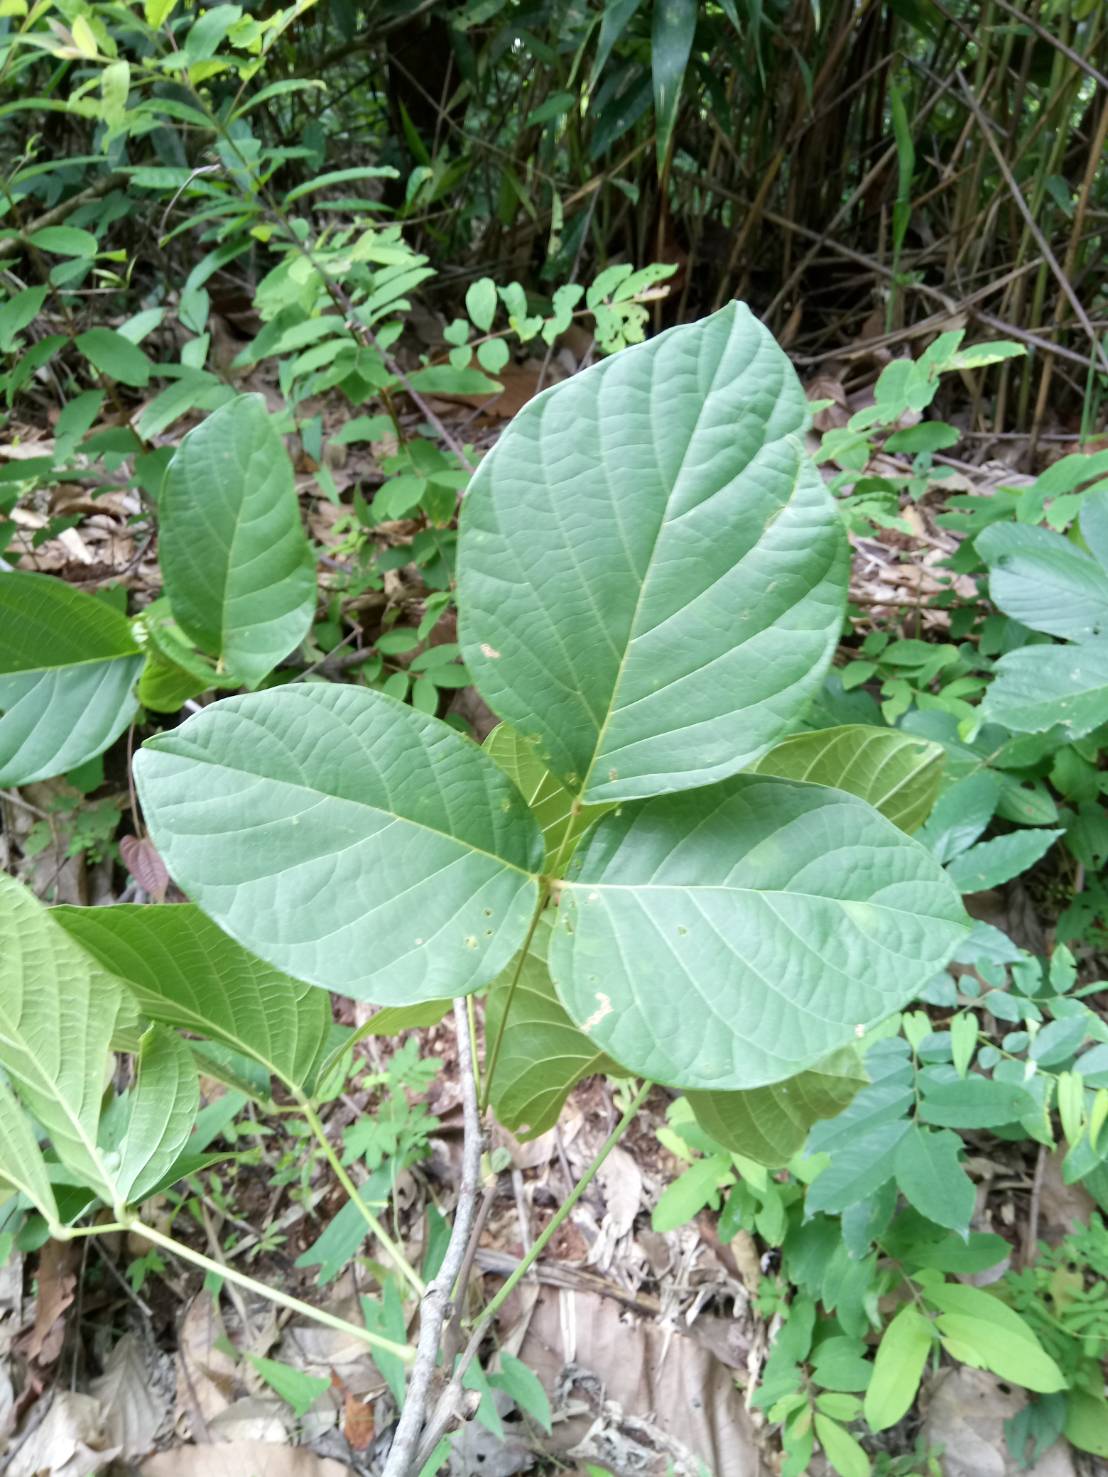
[[400, 1261], [232, 1274], [446, 1408]]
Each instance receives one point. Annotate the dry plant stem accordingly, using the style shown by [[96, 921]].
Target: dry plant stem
[[400, 1261], [448, 1404], [231, 1274], [436, 1303]]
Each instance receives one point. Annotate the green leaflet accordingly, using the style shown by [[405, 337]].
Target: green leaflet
[[730, 937], [672, 30], [990, 863], [1044, 580], [186, 972], [550, 802], [770, 1124], [930, 1176], [894, 772], [898, 1368], [980, 1330], [542, 1055], [651, 574], [68, 665], [346, 839], [1038, 686], [59, 1013], [21, 1163], [238, 569]]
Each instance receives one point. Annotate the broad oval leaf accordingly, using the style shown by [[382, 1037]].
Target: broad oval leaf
[[770, 1124], [731, 937], [549, 801], [898, 1368], [542, 1055], [347, 839], [896, 773], [1044, 580], [238, 569], [59, 1012], [1038, 686], [651, 573], [68, 665], [184, 971]]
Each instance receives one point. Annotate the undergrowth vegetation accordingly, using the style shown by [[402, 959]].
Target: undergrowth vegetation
[[449, 663]]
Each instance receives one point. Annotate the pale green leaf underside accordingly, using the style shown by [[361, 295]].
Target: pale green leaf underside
[[58, 1011], [347, 839], [770, 1124], [238, 569], [164, 1105], [21, 1163], [68, 665], [184, 971], [548, 799], [731, 937], [1046, 581], [894, 772], [651, 573], [1038, 686], [542, 1055]]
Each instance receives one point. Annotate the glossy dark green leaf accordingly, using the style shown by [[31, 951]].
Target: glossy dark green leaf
[[894, 772], [346, 839], [238, 568], [731, 937], [651, 573], [68, 664], [770, 1124], [186, 972]]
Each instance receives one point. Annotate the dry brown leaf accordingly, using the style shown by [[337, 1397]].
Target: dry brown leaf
[[70, 1442], [358, 1424], [652, 1395], [205, 1373], [241, 1459], [141, 858], [621, 1182], [57, 1287], [134, 1405], [965, 1418]]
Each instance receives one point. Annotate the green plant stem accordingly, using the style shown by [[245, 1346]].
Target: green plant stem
[[541, 1241], [492, 1057], [401, 1262], [273, 1294]]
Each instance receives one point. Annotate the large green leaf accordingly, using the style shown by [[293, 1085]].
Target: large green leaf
[[651, 573], [21, 1163], [59, 1012], [1038, 686], [1044, 580], [162, 1115], [238, 569], [550, 802], [894, 772], [346, 839], [542, 1053], [770, 1124], [68, 664], [186, 972], [731, 937]]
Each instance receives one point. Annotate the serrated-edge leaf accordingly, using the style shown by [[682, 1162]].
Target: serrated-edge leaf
[[897, 773], [185, 972], [164, 1105], [21, 1163], [650, 572], [347, 839]]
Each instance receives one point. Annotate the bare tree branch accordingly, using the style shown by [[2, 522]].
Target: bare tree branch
[[436, 1301]]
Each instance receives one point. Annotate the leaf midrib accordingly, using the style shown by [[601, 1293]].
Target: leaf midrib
[[347, 800], [687, 887]]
